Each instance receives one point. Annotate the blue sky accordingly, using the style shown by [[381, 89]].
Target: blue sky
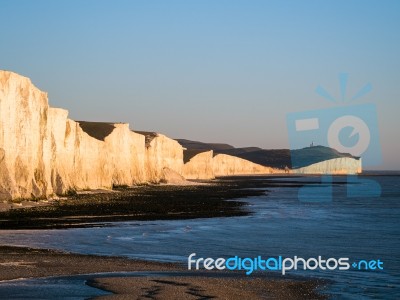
[[215, 71]]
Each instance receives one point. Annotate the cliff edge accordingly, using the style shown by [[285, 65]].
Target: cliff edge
[[42, 152]]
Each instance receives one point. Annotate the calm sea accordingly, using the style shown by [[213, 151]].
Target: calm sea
[[280, 225]]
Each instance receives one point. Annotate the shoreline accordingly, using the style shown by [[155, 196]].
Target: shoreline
[[141, 203], [224, 198], [165, 280], [86, 195], [27, 263], [205, 287]]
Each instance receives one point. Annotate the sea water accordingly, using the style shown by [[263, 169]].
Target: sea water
[[280, 225]]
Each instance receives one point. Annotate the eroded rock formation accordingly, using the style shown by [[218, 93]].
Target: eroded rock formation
[[229, 160], [199, 164], [231, 165], [161, 152], [43, 153], [342, 165]]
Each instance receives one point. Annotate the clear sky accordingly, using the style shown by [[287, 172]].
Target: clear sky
[[214, 71]]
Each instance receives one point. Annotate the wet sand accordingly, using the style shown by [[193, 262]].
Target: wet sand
[[204, 288], [19, 262]]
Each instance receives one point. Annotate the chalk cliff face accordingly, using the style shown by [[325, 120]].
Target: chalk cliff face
[[23, 120], [42, 152], [198, 164], [201, 164], [83, 162], [230, 165], [343, 165], [161, 153]]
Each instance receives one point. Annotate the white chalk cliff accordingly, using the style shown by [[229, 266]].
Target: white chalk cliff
[[198, 164], [43, 153], [341, 165], [231, 165], [160, 152]]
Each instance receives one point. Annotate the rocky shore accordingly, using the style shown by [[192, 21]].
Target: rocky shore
[[146, 202]]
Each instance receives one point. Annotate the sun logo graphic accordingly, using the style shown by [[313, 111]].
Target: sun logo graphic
[[346, 127]]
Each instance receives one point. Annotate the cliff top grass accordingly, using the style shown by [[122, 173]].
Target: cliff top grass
[[97, 130], [203, 146], [149, 136], [190, 153]]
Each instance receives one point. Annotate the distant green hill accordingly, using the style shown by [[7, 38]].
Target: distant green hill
[[277, 158], [203, 146]]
